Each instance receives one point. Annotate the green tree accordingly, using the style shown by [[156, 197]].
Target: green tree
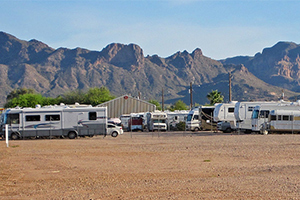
[[158, 106], [215, 97], [96, 96], [17, 92], [71, 97], [25, 100], [178, 105]]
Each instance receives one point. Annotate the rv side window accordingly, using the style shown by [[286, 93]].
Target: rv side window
[[291, 118], [196, 116], [250, 108], [52, 117], [92, 116], [285, 117], [264, 114], [13, 119], [230, 110], [32, 118], [273, 117], [279, 117]]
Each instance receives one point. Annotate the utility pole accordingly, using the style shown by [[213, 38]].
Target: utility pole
[[191, 95], [230, 76], [162, 100]]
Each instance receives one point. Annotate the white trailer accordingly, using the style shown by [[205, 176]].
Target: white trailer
[[243, 113], [283, 121], [157, 121], [175, 117], [224, 115], [261, 113], [193, 120], [54, 121]]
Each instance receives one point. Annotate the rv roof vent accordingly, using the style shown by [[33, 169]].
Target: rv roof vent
[[38, 106]]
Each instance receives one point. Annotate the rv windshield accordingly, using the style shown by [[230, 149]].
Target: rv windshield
[[189, 117], [255, 114]]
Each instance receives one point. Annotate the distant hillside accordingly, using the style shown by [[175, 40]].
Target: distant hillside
[[278, 65], [123, 69]]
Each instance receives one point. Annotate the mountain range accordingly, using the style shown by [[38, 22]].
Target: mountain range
[[124, 69]]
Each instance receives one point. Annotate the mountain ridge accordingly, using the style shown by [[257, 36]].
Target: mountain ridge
[[124, 69]]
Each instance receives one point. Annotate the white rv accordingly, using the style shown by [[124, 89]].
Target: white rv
[[261, 113], [50, 121], [193, 120], [224, 115], [284, 121], [157, 121], [175, 117], [243, 113]]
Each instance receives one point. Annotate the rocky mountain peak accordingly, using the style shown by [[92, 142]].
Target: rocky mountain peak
[[125, 56], [197, 53]]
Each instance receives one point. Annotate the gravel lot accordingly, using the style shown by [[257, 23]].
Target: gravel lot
[[143, 165]]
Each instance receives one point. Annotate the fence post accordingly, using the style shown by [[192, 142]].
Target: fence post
[[6, 134]]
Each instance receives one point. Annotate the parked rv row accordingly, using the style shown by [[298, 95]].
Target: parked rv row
[[82, 120], [153, 121], [57, 121], [258, 117]]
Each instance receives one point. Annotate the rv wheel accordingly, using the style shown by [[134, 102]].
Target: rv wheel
[[228, 130], [114, 134], [14, 136], [72, 135], [196, 129]]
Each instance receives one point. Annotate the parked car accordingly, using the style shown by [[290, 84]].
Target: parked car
[[114, 130]]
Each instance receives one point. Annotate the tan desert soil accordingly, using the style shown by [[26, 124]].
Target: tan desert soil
[[153, 166]]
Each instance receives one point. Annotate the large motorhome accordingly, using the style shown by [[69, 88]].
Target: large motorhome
[[243, 113], [261, 113], [54, 121], [224, 115], [157, 121], [193, 120]]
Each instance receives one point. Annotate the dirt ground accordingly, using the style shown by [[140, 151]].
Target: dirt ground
[[153, 166]]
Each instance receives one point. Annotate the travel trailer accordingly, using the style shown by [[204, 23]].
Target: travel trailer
[[157, 121], [261, 113], [175, 117], [283, 121], [224, 116], [193, 120], [54, 121], [135, 122]]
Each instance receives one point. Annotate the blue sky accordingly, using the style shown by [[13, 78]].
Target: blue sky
[[220, 28]]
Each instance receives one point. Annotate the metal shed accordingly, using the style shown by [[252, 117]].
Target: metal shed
[[126, 105]]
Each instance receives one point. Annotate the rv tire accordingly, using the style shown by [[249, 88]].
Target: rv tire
[[71, 135], [228, 130], [114, 134], [14, 136], [196, 129]]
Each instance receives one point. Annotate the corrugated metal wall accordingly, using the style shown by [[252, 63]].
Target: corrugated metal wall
[[126, 105]]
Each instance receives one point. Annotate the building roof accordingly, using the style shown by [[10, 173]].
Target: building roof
[[125, 105]]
